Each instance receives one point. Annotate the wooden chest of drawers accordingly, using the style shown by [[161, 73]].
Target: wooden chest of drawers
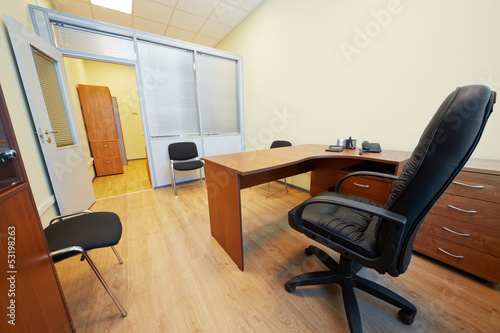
[[107, 157], [373, 188], [463, 227]]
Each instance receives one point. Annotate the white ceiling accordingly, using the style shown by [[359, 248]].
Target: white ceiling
[[204, 22]]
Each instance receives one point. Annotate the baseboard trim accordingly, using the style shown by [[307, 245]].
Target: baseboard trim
[[46, 205]]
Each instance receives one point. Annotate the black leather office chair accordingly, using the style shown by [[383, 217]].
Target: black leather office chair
[[184, 157], [80, 232], [278, 144], [366, 234]]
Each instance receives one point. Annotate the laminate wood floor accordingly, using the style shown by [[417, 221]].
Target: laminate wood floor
[[176, 277], [133, 179]]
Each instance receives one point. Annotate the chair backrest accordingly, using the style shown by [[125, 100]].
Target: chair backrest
[[280, 143], [181, 151], [444, 147]]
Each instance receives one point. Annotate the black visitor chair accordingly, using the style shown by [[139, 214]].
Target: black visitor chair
[[184, 157], [80, 232], [278, 144]]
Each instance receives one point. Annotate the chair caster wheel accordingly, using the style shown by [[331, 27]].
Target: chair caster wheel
[[290, 287], [406, 317], [308, 252]]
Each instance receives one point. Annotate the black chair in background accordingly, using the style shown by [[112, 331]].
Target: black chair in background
[[184, 157], [278, 144], [366, 234], [80, 232]]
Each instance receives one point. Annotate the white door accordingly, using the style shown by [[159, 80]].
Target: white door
[[45, 84]]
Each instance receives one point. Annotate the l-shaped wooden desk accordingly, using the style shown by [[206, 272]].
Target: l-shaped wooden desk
[[227, 174]]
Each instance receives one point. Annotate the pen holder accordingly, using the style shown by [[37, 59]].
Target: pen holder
[[350, 143]]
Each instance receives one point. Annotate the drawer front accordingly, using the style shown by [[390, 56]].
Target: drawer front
[[108, 166], [476, 185], [105, 149], [377, 191], [464, 258], [467, 234], [468, 210]]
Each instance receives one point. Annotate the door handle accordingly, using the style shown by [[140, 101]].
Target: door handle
[[7, 155], [47, 132]]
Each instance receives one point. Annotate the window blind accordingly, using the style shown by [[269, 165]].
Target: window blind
[[217, 94], [81, 39], [53, 98], [169, 89]]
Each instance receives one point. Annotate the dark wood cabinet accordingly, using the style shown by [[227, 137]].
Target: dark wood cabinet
[[32, 299], [463, 227]]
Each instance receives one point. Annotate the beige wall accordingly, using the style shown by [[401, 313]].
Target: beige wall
[[318, 70], [19, 111]]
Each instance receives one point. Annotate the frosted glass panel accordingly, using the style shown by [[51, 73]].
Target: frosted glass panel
[[217, 94], [53, 98], [169, 89]]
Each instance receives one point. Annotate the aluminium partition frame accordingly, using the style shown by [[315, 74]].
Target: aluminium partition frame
[[42, 21]]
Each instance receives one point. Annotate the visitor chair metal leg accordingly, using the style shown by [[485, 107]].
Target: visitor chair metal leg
[[117, 255], [94, 268], [172, 172]]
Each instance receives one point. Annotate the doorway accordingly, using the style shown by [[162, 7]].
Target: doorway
[[121, 81]]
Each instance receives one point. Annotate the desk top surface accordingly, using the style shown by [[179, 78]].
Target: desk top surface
[[261, 160]]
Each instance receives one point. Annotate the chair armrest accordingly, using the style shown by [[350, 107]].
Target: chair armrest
[[396, 225], [366, 173], [60, 217], [67, 250]]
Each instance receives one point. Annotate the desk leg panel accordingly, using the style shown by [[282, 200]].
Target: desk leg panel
[[324, 173], [224, 204]]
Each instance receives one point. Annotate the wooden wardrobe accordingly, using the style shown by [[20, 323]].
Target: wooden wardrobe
[[31, 296], [102, 133]]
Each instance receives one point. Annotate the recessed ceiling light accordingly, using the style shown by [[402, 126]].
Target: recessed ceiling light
[[124, 6]]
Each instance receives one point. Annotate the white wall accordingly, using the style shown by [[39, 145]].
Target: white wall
[[318, 70]]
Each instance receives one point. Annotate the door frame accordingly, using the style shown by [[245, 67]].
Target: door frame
[[42, 20]]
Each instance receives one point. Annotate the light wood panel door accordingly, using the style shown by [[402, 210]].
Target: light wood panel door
[[102, 132], [32, 300]]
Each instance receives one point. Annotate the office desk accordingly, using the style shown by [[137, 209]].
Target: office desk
[[227, 174]]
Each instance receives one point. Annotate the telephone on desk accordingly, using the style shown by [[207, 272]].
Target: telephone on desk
[[367, 147]]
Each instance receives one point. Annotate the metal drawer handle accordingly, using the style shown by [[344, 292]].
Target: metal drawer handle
[[456, 233], [462, 210], [361, 185], [451, 255], [467, 185], [108, 162], [105, 146]]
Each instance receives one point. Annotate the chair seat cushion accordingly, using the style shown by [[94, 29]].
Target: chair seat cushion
[[89, 231], [188, 165], [356, 228]]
